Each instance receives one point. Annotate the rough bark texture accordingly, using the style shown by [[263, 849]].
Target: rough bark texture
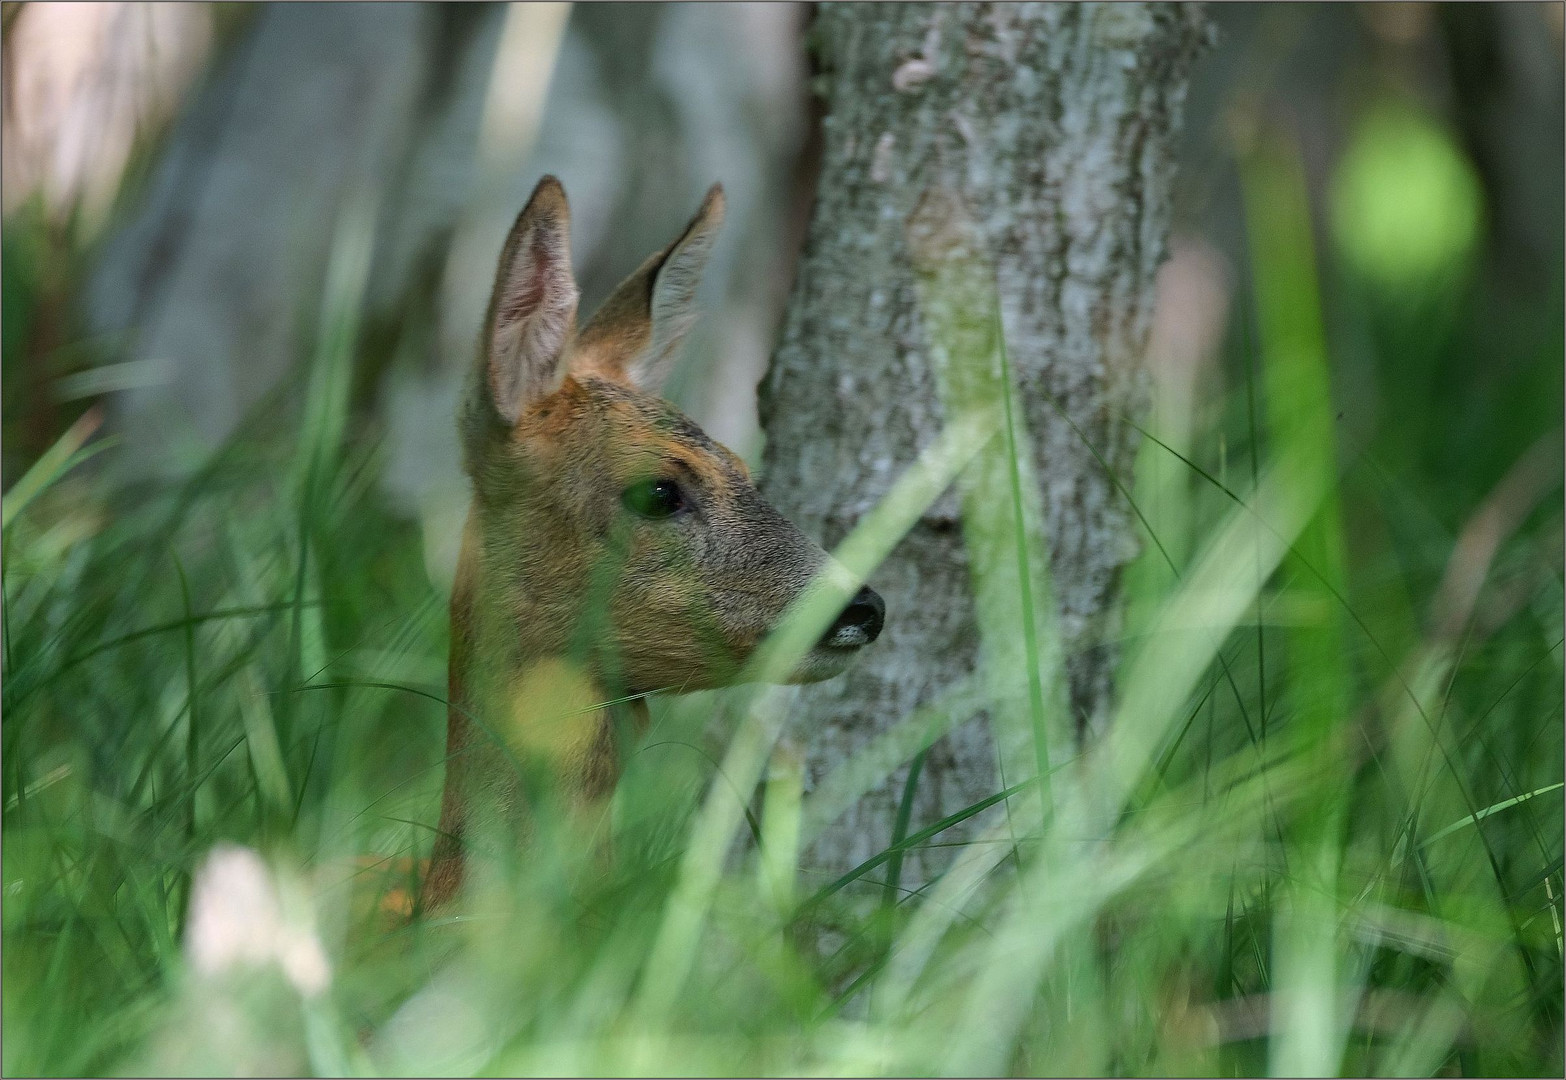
[[1054, 126]]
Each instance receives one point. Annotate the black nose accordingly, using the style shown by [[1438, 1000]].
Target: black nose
[[859, 623]]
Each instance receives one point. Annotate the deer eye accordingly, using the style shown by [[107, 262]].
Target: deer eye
[[653, 499]]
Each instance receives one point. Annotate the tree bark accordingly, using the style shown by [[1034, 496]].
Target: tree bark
[[1050, 129]]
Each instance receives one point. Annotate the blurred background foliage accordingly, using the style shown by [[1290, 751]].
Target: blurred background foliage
[[245, 252], [164, 257]]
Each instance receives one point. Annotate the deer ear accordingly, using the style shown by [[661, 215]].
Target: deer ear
[[636, 334], [532, 313]]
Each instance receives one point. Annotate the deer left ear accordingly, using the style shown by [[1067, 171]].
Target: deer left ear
[[635, 336], [532, 312]]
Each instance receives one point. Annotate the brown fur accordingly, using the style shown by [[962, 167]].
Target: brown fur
[[564, 598]]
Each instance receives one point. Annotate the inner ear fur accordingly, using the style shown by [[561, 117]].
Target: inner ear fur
[[531, 318]]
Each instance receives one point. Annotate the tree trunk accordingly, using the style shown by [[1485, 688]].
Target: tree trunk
[[211, 285], [1050, 130]]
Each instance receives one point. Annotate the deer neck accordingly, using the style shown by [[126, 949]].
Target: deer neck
[[516, 714]]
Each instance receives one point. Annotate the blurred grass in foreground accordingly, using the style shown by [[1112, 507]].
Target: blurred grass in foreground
[[1322, 835]]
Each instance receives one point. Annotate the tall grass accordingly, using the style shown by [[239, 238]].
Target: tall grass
[[1322, 834]]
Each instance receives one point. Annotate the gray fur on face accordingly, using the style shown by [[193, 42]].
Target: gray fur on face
[[679, 602]]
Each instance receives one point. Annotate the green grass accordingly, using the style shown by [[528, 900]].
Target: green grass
[[1323, 833]]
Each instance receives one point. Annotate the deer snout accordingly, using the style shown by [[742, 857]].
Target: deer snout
[[859, 623]]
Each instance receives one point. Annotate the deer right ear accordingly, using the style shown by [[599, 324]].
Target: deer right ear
[[532, 314], [635, 336]]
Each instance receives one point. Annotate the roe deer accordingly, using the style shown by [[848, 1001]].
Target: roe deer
[[611, 547]]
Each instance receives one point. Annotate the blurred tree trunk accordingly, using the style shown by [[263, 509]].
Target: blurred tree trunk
[[213, 283], [1052, 127]]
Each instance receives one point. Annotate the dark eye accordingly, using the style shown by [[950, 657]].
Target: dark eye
[[653, 499]]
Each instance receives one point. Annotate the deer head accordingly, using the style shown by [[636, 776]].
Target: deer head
[[605, 523]]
